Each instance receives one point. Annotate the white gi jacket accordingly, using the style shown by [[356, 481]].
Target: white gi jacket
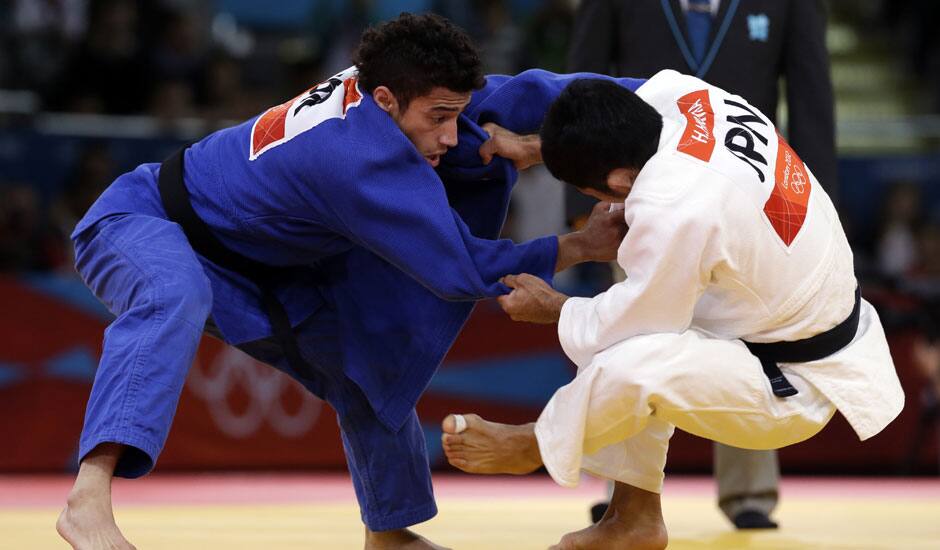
[[731, 235]]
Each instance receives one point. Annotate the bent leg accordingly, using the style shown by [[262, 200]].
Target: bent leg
[[637, 461], [389, 469], [708, 387], [143, 269], [390, 472]]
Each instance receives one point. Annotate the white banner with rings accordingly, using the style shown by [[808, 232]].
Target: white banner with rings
[[267, 389]]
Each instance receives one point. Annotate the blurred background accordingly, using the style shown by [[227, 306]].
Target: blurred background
[[91, 88]]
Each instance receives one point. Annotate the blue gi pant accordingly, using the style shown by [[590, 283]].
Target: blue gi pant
[[146, 273]]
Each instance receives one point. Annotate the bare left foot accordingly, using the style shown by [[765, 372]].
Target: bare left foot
[[398, 539], [489, 447]]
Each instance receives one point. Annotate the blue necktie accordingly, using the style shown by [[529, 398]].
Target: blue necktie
[[699, 21]]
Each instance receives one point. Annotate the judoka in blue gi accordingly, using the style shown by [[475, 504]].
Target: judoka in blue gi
[[363, 216]]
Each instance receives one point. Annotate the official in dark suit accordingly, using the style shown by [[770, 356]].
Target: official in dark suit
[[745, 47]]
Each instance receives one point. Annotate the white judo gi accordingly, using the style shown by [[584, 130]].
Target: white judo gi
[[731, 238]]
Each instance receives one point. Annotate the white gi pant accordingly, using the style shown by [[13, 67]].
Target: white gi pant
[[615, 418]]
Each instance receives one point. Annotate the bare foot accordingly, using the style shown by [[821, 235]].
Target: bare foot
[[633, 521], [399, 539], [489, 447], [609, 533], [87, 523]]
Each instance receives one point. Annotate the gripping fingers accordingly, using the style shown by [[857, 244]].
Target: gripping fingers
[[487, 150]]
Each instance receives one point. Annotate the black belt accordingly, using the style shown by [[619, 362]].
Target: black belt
[[801, 351], [179, 209]]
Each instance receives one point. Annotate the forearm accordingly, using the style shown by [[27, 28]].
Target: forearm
[[523, 150], [532, 147], [572, 249]]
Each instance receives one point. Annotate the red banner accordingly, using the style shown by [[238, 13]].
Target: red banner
[[237, 413]]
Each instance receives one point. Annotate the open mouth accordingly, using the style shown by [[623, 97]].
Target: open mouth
[[433, 160]]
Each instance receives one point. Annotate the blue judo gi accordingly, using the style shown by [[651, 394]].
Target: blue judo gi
[[384, 259]]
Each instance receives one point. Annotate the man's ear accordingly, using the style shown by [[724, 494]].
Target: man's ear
[[620, 180], [385, 99]]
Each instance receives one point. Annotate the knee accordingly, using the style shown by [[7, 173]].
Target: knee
[[642, 364], [188, 295], [628, 381]]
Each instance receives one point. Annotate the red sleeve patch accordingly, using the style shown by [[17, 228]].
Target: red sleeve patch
[[786, 207]]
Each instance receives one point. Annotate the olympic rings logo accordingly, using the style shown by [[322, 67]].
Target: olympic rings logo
[[799, 181], [265, 387]]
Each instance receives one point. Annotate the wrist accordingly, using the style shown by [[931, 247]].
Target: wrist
[[572, 250], [558, 305], [534, 147], [581, 247]]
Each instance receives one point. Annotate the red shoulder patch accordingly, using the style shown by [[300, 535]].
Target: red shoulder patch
[[269, 128], [698, 139]]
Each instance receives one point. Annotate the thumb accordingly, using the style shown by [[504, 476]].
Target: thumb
[[487, 150], [602, 207]]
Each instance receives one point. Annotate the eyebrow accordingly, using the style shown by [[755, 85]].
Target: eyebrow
[[445, 108]]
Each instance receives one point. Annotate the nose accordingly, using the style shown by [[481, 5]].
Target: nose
[[449, 136]]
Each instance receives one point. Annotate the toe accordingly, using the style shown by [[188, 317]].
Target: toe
[[473, 420], [449, 424], [450, 439], [451, 451]]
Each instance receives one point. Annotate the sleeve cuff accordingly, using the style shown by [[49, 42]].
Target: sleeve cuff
[[568, 326]]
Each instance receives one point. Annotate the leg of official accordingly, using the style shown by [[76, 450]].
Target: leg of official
[[143, 269], [748, 481]]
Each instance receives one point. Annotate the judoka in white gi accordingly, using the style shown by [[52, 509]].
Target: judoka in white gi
[[731, 240]]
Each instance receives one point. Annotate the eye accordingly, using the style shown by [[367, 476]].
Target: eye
[[438, 119]]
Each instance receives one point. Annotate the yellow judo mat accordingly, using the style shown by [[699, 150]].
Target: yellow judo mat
[[508, 514]]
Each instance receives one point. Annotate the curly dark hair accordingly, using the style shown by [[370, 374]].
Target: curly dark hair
[[415, 53]]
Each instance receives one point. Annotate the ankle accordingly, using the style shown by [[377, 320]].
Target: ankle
[[377, 540], [384, 536], [531, 447], [85, 495]]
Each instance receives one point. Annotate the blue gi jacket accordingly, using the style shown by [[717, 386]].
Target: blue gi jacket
[[400, 251]]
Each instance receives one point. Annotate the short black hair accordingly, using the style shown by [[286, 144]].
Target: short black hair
[[595, 126], [415, 53]]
